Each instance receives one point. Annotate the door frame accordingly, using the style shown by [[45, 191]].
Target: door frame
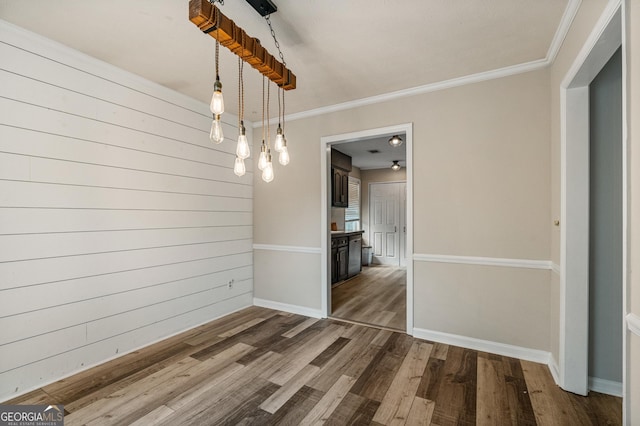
[[602, 43], [325, 214], [402, 218]]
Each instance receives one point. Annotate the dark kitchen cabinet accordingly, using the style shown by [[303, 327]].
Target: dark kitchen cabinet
[[334, 265], [340, 168], [339, 259], [340, 188], [346, 256]]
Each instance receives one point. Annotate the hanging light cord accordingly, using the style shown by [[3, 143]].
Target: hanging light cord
[[268, 141], [263, 129], [279, 110], [240, 94], [217, 46]]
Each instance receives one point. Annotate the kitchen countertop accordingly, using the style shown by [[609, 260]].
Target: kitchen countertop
[[344, 233]]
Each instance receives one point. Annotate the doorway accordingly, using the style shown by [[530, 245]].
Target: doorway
[[605, 229], [575, 265], [377, 276]]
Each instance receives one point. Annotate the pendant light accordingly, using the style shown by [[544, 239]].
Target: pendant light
[[239, 168], [284, 154], [262, 160], [217, 102], [395, 166], [278, 143], [216, 134], [267, 171], [281, 141], [242, 148]]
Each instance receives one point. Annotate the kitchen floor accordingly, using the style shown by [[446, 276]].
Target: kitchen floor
[[377, 296]]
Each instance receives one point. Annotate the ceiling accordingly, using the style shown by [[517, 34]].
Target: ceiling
[[339, 50], [365, 160]]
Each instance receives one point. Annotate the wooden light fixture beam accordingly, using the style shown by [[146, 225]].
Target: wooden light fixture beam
[[205, 16]]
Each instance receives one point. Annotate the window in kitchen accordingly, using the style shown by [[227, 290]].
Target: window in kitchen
[[352, 213]]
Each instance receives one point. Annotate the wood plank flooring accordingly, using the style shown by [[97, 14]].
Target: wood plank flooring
[[264, 367], [377, 296]]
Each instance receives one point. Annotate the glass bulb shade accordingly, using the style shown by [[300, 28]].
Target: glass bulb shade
[[262, 161], [395, 166], [395, 141], [283, 158], [216, 134], [238, 167], [279, 142], [267, 173], [217, 103], [242, 150]]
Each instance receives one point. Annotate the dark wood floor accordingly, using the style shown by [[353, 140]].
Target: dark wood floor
[[263, 367], [377, 296]]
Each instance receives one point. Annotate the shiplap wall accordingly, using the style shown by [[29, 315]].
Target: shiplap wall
[[120, 222]]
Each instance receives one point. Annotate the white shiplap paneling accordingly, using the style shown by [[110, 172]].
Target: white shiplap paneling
[[120, 222]]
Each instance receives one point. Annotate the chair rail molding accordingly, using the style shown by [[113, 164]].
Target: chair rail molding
[[290, 249], [485, 261]]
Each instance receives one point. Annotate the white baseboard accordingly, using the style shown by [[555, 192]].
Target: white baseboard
[[285, 307], [633, 323], [605, 386], [555, 370], [484, 345]]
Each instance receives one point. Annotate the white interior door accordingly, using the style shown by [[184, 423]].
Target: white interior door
[[386, 223]]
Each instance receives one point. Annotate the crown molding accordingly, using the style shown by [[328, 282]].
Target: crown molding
[[558, 39], [568, 16]]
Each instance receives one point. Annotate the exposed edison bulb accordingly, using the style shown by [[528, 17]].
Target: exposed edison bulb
[[242, 150], [216, 134], [262, 160], [217, 103], [267, 173], [283, 158], [238, 167], [279, 142]]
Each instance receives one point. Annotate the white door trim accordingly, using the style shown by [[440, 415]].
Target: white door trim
[[601, 44], [325, 238]]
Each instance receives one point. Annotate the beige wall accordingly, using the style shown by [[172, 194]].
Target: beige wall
[[481, 188], [633, 117], [373, 176]]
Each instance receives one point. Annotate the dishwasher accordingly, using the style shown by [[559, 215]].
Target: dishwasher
[[355, 255]]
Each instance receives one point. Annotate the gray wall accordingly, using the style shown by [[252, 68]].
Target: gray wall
[[605, 233]]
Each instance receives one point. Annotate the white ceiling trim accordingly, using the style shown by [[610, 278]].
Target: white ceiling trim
[[565, 23]]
